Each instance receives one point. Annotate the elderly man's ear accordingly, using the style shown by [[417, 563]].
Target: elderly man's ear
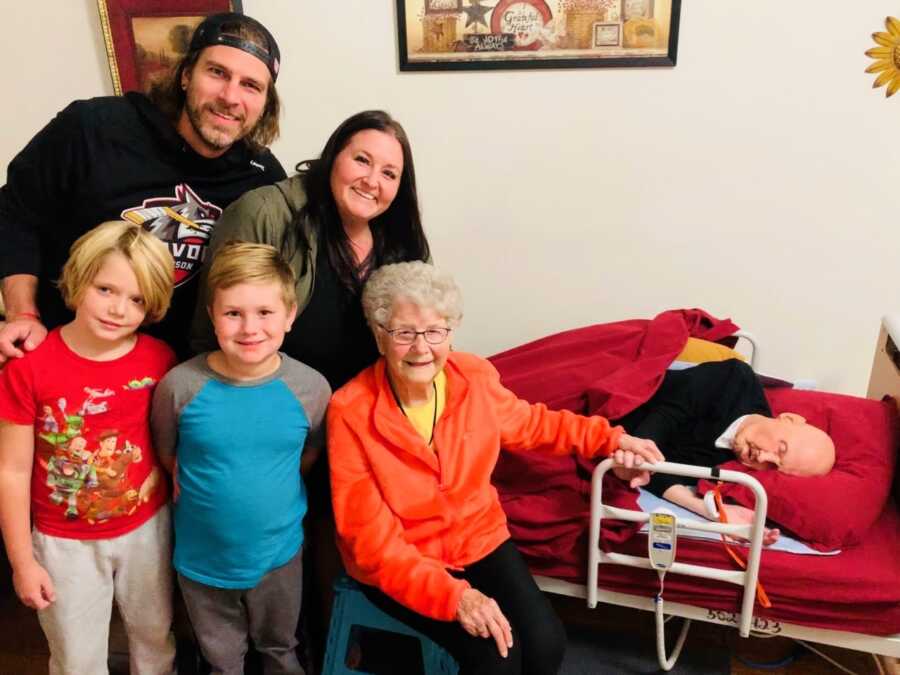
[[793, 418]]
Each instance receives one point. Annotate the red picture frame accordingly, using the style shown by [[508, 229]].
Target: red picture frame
[[144, 37]]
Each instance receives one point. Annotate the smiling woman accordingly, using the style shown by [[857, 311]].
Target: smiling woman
[[364, 182], [412, 443]]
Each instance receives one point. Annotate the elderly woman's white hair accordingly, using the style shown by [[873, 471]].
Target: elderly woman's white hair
[[417, 282]]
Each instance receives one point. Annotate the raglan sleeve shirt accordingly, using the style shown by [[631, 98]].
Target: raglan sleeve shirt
[[316, 406], [164, 419]]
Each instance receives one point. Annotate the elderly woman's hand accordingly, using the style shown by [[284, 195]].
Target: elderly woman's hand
[[632, 453], [480, 616]]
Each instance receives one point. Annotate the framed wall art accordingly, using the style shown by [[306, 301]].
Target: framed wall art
[[506, 34], [145, 37]]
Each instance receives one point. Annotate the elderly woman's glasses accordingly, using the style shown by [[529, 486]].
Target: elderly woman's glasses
[[404, 336]]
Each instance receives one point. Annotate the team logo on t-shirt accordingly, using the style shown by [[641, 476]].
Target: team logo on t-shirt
[[183, 222]]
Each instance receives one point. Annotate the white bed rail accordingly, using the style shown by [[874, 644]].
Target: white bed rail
[[754, 346], [753, 532]]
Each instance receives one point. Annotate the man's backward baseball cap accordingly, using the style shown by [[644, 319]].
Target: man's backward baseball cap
[[209, 33]]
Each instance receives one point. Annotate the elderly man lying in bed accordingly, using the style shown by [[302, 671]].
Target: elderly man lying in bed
[[716, 412]]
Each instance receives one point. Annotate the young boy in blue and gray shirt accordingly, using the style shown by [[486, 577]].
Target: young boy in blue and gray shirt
[[231, 426]]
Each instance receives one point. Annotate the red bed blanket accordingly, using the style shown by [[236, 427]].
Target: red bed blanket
[[857, 590], [609, 369]]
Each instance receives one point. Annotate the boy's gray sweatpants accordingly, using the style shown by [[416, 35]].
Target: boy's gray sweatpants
[[268, 613]]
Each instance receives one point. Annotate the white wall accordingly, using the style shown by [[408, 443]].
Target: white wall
[[757, 179]]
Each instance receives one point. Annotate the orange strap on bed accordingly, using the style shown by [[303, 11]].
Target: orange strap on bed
[[720, 507]]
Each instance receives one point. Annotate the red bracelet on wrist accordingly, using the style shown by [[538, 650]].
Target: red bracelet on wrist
[[33, 315]]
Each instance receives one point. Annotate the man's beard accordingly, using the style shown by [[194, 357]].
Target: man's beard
[[213, 137]]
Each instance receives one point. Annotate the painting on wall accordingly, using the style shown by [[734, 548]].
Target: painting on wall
[[507, 34], [144, 38]]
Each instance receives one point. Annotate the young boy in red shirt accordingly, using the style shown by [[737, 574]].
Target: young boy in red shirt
[[76, 456]]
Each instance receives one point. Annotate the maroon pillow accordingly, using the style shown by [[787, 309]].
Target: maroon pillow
[[834, 510]]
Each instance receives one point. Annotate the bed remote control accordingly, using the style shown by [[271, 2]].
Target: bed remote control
[[661, 539]]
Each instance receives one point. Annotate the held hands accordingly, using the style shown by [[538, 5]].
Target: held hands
[[34, 586], [632, 453], [20, 335], [480, 616]]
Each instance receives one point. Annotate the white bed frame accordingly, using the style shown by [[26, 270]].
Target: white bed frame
[[746, 623], [885, 381]]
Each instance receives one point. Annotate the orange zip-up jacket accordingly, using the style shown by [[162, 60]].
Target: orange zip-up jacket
[[407, 513]]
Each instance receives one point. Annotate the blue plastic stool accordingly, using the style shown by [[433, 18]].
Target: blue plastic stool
[[352, 608]]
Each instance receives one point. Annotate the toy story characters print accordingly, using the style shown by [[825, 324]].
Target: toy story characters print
[[70, 469], [113, 495], [89, 467]]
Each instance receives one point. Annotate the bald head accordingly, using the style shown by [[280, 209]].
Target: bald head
[[787, 442]]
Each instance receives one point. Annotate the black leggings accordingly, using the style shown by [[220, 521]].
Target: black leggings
[[539, 638]]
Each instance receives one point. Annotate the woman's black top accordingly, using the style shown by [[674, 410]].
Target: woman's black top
[[331, 334]]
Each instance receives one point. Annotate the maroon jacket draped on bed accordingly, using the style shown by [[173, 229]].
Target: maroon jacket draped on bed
[[606, 369]]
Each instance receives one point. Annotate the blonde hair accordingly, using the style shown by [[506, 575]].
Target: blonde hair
[[150, 260], [241, 262]]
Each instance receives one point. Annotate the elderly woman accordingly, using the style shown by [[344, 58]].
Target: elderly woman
[[412, 443]]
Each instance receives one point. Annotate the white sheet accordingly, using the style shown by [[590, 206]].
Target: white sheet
[[648, 501]]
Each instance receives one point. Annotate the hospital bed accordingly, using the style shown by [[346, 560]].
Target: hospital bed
[[850, 599]]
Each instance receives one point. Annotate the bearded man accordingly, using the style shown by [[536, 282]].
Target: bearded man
[[171, 160]]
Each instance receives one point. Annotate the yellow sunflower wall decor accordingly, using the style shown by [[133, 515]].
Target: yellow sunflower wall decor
[[887, 57]]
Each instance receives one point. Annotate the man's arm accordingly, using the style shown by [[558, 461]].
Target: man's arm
[[20, 295], [737, 515], [41, 183], [313, 392], [686, 498], [22, 331], [32, 583]]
